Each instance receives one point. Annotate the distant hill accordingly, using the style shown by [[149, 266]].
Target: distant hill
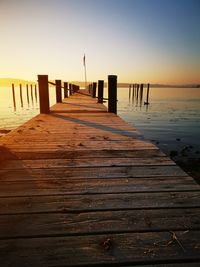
[[8, 82]]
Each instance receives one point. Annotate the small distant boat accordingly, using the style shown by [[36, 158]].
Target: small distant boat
[[146, 103]]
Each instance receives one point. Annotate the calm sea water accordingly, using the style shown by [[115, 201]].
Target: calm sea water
[[171, 120]]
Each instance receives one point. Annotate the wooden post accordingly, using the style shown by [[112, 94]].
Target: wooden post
[[94, 87], [100, 91], [21, 98], [13, 93], [76, 88], [137, 91], [90, 91], [70, 89], [31, 92], [43, 93], [133, 93], [129, 91], [35, 92], [112, 93], [141, 93], [27, 94], [147, 101], [58, 91], [65, 89]]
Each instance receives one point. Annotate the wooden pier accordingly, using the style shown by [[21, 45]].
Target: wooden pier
[[79, 187]]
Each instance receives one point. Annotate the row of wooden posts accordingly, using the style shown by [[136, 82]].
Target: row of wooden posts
[[43, 85], [27, 93], [137, 89], [70, 89]]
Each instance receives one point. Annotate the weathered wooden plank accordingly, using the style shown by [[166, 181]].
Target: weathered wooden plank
[[90, 186], [101, 249], [98, 202], [94, 162], [61, 154], [61, 136], [96, 172], [51, 224], [78, 147], [105, 144]]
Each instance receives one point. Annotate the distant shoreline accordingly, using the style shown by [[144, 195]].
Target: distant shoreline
[[119, 85], [7, 82]]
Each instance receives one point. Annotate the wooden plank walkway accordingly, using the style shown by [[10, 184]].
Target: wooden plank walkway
[[79, 187]]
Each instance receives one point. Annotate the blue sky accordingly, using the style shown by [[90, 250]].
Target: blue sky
[[156, 41]]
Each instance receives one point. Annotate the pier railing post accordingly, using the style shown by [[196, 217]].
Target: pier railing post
[[58, 92], [43, 93], [65, 89], [94, 87], [70, 89], [112, 93], [90, 89], [100, 91]]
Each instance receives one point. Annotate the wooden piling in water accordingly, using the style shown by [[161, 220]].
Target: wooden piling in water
[[94, 87], [112, 93], [58, 91], [133, 92], [141, 93], [27, 94], [21, 97], [100, 91], [137, 91], [35, 93], [129, 91], [13, 94], [32, 92], [147, 100], [65, 89], [43, 87]]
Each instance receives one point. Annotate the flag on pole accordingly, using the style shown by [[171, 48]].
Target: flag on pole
[[84, 64], [84, 60]]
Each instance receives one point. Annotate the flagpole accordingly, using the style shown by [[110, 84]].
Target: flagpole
[[84, 63]]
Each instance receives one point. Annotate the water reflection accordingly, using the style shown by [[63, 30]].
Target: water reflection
[[173, 114], [138, 91]]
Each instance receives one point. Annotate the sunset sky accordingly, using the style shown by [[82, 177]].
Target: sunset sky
[[156, 41]]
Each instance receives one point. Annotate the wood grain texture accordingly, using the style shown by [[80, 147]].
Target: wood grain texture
[[99, 202], [100, 249], [98, 222]]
